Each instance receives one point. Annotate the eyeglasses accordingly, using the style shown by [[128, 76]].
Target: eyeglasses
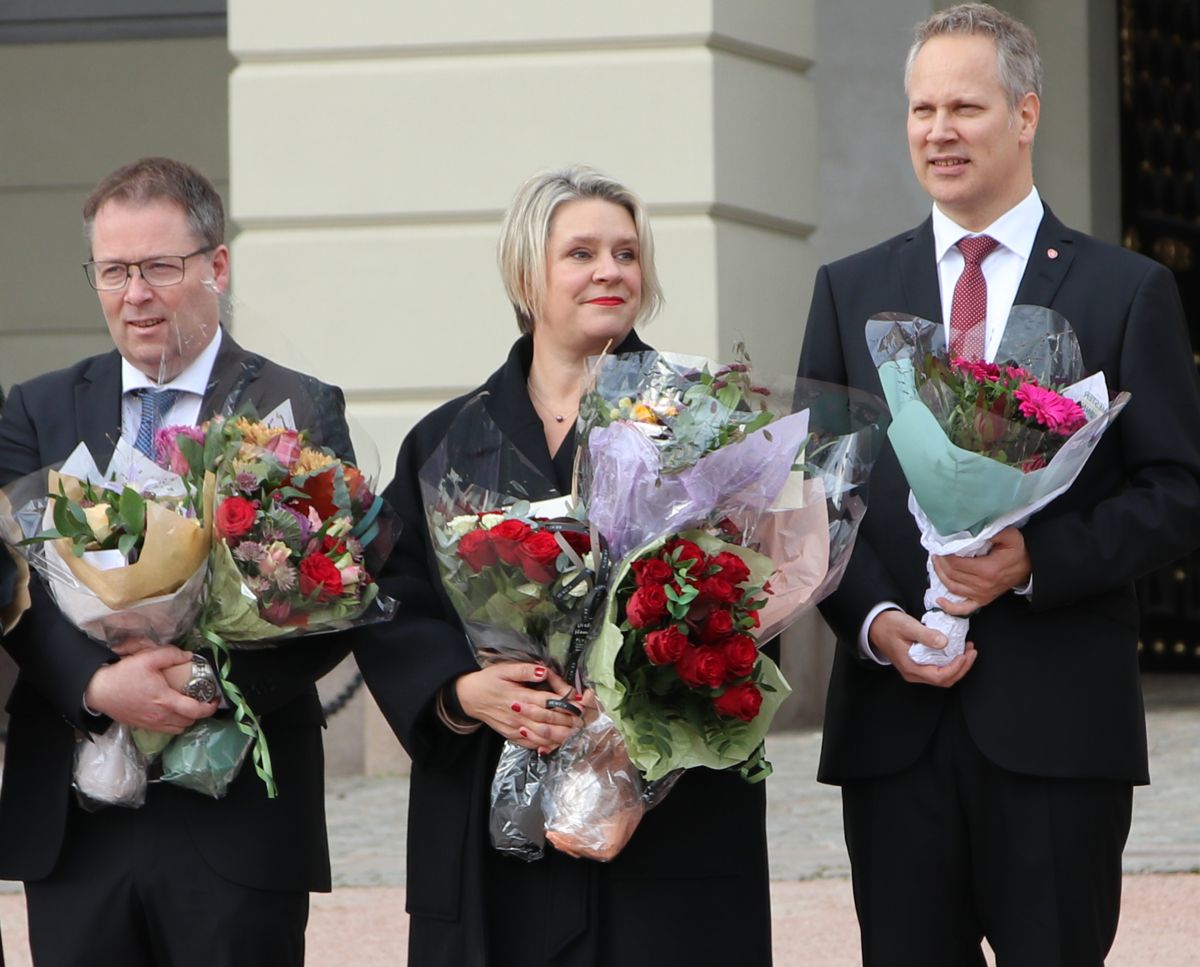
[[157, 271]]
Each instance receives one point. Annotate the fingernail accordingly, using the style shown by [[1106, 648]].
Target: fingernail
[[539, 671], [578, 697], [542, 750], [524, 733], [516, 706]]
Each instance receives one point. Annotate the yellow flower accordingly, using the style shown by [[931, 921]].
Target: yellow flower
[[643, 414], [257, 434], [310, 461]]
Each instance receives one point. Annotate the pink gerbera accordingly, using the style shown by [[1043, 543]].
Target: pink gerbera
[[1057, 413]]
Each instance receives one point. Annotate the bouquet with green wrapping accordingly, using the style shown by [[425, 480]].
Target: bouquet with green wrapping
[[985, 445]]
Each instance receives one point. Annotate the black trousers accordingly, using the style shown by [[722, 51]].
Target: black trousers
[[955, 849], [131, 890]]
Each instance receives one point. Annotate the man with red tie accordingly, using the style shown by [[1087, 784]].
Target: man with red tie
[[991, 797]]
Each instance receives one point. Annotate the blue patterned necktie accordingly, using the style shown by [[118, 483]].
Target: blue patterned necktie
[[156, 403]]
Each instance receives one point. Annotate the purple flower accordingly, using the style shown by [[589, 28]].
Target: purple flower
[[166, 447]]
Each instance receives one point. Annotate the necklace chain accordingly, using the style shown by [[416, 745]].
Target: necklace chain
[[537, 398]]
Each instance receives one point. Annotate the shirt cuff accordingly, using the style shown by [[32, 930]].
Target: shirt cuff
[[1026, 590], [864, 643]]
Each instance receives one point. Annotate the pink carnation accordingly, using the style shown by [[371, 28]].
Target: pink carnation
[[166, 447], [980, 371], [1057, 413]]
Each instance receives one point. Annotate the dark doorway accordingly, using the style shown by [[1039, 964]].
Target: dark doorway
[[1160, 215]]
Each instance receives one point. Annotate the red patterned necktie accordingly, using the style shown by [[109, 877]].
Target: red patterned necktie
[[968, 310]]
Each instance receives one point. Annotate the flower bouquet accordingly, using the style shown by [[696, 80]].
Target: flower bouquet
[[522, 577], [298, 534], [123, 554], [983, 446], [735, 508]]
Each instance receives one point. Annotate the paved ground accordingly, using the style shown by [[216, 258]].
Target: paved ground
[[362, 922]]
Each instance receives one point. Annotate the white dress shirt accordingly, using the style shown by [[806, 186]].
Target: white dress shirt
[[1003, 269], [191, 383]]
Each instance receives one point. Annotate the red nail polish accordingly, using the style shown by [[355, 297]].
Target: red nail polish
[[578, 697], [516, 706], [539, 671], [524, 733]]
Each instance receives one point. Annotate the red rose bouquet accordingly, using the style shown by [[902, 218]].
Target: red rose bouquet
[[735, 508], [677, 662], [984, 445]]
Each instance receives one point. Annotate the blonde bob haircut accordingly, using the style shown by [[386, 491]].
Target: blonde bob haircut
[[521, 251]]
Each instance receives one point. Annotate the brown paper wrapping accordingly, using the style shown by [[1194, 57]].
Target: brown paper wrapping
[[174, 548]]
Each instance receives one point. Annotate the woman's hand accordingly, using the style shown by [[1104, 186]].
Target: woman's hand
[[502, 697]]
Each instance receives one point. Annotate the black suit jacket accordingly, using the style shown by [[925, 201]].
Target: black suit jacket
[[1055, 689], [681, 857], [276, 844]]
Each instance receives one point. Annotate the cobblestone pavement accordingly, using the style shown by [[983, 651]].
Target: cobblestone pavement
[[804, 823], [362, 922]]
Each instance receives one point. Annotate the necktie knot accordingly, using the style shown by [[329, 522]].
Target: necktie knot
[[975, 248], [156, 403]]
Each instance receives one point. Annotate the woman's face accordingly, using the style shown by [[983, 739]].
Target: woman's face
[[593, 276]]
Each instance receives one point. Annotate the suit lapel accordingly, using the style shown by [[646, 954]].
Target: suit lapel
[[918, 274], [1049, 261], [98, 407]]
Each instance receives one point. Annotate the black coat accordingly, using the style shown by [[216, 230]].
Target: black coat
[[1054, 691], [275, 844], [690, 887]]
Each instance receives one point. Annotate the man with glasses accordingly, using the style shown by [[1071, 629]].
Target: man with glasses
[[185, 879]]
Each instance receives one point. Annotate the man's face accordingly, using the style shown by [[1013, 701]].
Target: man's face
[[971, 153], [159, 329]]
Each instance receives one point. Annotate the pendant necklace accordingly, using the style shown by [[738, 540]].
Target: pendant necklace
[[537, 398]]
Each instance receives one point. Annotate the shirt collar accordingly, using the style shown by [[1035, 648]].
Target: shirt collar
[[193, 379], [1015, 229]]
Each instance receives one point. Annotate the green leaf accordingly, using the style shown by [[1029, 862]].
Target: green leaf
[[126, 543], [132, 509]]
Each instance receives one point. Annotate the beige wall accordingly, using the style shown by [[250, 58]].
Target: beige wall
[[373, 152], [169, 97]]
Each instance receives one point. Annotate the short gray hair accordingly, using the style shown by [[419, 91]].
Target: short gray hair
[[1018, 65], [521, 251]]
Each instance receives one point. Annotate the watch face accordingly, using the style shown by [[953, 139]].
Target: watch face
[[202, 689]]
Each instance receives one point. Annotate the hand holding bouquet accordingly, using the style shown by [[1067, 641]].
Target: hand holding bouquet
[[985, 445]]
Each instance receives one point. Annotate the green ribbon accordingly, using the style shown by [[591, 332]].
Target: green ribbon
[[243, 715], [756, 768]]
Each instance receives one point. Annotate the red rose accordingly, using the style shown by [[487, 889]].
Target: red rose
[[580, 543], [653, 570], [537, 554], [318, 573], [719, 589], [665, 647], [740, 655], [732, 568], [477, 550], [739, 701], [646, 606], [690, 555], [718, 625], [701, 666], [506, 537], [235, 517]]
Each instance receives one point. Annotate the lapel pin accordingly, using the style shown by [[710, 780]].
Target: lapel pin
[[1052, 253]]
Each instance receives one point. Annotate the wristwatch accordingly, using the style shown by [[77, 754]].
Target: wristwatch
[[202, 686]]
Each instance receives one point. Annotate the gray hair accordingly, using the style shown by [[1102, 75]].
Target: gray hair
[[521, 251], [1018, 65], [149, 178]]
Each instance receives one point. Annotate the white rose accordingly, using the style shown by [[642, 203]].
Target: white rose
[[97, 518]]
